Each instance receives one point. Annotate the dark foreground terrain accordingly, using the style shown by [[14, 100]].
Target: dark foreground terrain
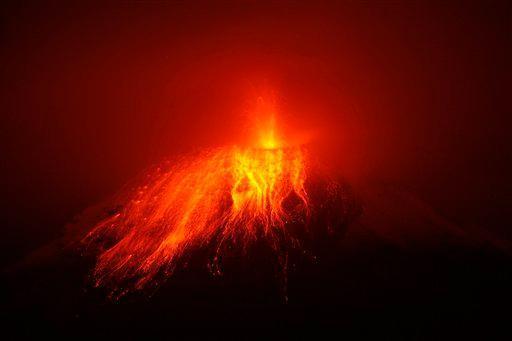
[[399, 270]]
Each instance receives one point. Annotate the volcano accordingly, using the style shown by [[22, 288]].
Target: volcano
[[219, 199], [146, 195]]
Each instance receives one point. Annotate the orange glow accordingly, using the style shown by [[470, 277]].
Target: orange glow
[[268, 138], [226, 195], [265, 122]]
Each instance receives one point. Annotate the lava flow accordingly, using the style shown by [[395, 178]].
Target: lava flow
[[231, 195]]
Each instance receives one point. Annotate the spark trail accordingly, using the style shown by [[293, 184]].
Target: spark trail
[[226, 195]]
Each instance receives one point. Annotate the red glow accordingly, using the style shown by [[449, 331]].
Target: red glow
[[224, 195]]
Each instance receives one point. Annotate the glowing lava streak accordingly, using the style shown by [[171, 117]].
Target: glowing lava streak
[[227, 195]]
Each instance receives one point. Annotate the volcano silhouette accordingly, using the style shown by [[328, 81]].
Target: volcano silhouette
[[377, 256]]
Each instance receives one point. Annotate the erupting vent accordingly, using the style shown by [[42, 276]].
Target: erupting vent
[[231, 195]]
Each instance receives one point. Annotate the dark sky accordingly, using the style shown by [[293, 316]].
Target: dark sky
[[413, 94]]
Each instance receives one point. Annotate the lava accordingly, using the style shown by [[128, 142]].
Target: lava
[[226, 195]]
